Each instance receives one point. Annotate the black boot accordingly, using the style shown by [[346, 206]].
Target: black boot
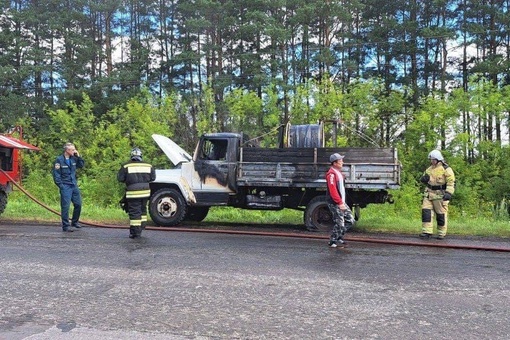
[[138, 231], [132, 233]]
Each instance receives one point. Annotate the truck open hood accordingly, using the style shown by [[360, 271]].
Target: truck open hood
[[11, 142], [173, 151]]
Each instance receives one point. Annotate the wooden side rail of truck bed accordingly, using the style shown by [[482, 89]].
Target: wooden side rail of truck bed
[[364, 168]]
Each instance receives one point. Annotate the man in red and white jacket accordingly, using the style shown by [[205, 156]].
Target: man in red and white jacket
[[342, 215]]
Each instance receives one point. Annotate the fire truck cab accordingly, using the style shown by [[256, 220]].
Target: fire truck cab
[[10, 162]]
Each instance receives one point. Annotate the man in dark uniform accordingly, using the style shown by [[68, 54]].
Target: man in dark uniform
[[137, 174], [64, 176]]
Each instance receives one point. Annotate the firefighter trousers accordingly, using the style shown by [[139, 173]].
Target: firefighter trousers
[[437, 208], [137, 211]]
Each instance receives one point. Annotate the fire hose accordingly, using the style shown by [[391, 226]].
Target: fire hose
[[275, 234], [20, 187]]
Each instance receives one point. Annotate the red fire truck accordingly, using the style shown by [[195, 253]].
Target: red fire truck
[[10, 162]]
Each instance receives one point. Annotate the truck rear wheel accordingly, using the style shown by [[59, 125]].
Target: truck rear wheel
[[317, 215], [3, 201], [167, 207], [196, 214]]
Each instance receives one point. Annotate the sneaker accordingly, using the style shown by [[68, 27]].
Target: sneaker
[[340, 241], [332, 245], [425, 235], [440, 237], [77, 226], [132, 235]]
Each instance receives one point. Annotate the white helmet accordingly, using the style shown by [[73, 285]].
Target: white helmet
[[436, 154]]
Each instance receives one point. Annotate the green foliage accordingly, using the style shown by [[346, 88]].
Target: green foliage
[[407, 202], [104, 144], [20, 207], [302, 103], [245, 113], [206, 119], [72, 124], [496, 188], [229, 215], [481, 166], [102, 191], [254, 67], [271, 116], [39, 184], [133, 126]]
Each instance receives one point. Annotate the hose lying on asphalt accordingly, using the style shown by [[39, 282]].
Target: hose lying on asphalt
[[275, 234], [347, 238], [42, 204]]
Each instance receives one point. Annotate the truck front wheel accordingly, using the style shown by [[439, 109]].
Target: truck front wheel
[[167, 207], [317, 215]]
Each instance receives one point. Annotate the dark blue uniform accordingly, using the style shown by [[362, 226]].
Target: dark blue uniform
[[64, 176]]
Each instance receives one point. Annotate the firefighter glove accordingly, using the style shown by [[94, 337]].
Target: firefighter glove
[[447, 196], [123, 204], [425, 179]]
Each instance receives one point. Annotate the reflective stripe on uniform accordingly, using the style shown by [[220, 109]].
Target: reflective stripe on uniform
[[135, 223], [138, 193], [138, 168]]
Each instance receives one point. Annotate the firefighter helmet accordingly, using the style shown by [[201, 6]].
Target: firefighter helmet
[[436, 154], [136, 154]]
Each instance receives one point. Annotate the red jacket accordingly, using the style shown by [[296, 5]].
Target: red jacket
[[336, 188]]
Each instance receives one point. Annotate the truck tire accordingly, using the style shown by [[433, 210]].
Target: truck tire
[[317, 215], [196, 214], [3, 201], [167, 207]]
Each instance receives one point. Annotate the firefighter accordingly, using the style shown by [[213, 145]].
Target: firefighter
[[337, 201], [440, 186], [64, 176], [136, 174]]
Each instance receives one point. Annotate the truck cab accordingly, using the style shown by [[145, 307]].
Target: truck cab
[[10, 163], [216, 157], [195, 183]]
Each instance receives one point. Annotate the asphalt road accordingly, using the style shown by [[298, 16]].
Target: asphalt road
[[99, 284]]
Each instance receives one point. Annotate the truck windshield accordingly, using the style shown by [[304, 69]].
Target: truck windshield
[[214, 150]]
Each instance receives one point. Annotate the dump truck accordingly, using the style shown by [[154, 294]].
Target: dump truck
[[226, 171], [10, 162]]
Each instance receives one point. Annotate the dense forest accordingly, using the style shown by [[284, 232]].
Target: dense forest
[[416, 74]]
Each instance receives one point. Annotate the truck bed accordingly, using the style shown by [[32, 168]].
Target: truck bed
[[364, 168]]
